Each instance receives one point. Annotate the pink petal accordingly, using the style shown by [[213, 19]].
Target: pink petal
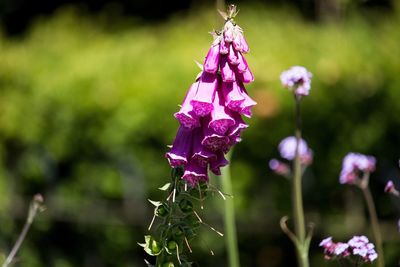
[[237, 44], [246, 76], [218, 163], [233, 56], [242, 66], [228, 32], [232, 95], [238, 127], [244, 45], [181, 149], [211, 62], [212, 140], [220, 119], [235, 131], [228, 75], [185, 115], [247, 104], [223, 48], [194, 173], [201, 154], [202, 101]]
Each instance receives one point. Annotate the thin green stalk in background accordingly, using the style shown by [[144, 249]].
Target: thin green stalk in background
[[35, 206], [297, 197], [229, 216], [374, 223]]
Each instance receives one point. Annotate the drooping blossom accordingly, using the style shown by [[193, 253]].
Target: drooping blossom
[[287, 149], [332, 249], [357, 248], [298, 80], [210, 115], [391, 189], [354, 166], [279, 167]]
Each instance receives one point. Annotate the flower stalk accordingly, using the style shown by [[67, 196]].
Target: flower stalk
[[298, 80], [297, 196], [211, 124], [356, 170], [373, 219], [35, 206], [229, 217]]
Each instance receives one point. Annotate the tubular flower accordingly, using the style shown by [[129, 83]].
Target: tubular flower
[[210, 116]]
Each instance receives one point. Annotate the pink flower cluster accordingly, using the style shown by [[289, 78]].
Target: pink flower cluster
[[355, 164], [287, 150], [210, 115], [391, 188], [358, 246], [298, 80]]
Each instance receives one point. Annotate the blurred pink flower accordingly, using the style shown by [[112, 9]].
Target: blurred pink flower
[[355, 164], [358, 247], [391, 189], [279, 167], [298, 80], [287, 149]]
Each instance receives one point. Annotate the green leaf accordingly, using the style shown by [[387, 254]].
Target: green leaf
[[171, 247], [149, 264], [223, 14], [151, 246], [165, 187], [155, 203]]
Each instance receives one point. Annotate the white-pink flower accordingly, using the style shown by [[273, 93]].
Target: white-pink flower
[[298, 80], [355, 164]]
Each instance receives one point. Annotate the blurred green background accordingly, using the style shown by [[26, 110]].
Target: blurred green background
[[86, 103]]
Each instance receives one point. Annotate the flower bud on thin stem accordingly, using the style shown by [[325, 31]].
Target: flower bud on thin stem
[[35, 206]]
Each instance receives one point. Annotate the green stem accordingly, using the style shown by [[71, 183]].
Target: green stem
[[17, 244], [229, 218], [375, 224], [297, 198], [34, 207]]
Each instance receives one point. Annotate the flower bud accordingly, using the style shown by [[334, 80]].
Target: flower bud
[[223, 48], [161, 211], [155, 246], [242, 65], [171, 245], [246, 76], [244, 45], [185, 206], [211, 62], [228, 31], [237, 44], [228, 75], [233, 56]]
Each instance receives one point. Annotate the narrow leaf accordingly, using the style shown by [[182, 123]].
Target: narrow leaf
[[165, 187], [155, 203]]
